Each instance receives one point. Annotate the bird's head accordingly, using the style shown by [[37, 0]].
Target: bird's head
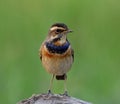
[[58, 33]]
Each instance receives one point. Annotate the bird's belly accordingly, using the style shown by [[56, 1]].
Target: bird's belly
[[57, 65]]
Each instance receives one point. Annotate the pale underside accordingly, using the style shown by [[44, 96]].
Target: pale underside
[[57, 65]]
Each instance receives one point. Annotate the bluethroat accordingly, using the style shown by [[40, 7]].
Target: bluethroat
[[56, 53]]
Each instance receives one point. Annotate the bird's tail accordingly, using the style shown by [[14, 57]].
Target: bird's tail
[[61, 77]]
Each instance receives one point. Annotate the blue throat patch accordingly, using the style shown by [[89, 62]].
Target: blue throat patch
[[57, 49]]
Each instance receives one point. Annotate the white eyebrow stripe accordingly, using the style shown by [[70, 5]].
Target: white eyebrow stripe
[[55, 27]]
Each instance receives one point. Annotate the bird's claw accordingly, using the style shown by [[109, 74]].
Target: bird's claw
[[65, 94], [49, 92]]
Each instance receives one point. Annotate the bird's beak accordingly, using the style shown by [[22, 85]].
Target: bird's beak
[[69, 31]]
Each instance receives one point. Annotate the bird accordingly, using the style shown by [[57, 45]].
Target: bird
[[57, 54]]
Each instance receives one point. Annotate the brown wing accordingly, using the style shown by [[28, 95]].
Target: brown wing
[[72, 51], [40, 51]]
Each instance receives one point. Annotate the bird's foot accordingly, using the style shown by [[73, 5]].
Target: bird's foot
[[65, 94], [49, 92]]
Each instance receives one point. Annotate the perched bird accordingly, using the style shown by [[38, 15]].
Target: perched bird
[[56, 53]]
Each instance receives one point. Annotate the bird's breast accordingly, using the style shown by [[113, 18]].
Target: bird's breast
[[57, 63]]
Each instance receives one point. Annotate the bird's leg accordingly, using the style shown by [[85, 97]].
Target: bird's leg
[[65, 86], [50, 86]]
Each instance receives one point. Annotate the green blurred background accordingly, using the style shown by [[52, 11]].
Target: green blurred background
[[24, 24]]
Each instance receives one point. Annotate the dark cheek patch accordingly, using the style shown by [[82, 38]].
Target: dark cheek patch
[[57, 49]]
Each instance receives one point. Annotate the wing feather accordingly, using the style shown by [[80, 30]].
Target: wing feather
[[72, 52]]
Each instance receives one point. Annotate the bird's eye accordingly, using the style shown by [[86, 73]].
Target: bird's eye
[[59, 30]]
